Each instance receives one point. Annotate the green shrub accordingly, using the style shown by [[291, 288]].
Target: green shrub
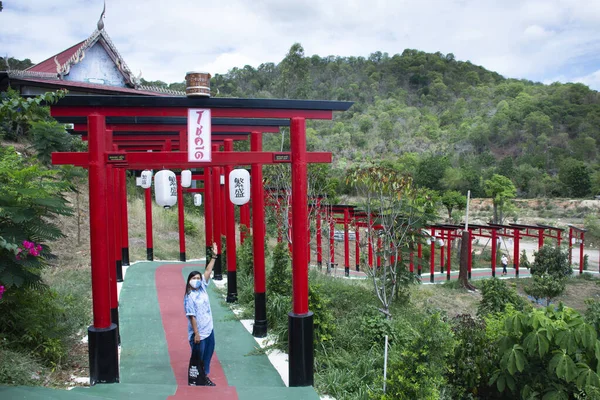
[[524, 261], [245, 257], [279, 278], [33, 320], [190, 228], [496, 295], [548, 353], [322, 316], [471, 364], [417, 363], [545, 287], [592, 314]]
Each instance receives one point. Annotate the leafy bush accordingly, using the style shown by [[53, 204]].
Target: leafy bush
[[523, 260], [16, 367], [471, 364], [496, 295], [279, 278], [548, 353], [417, 363], [190, 228], [322, 317], [245, 257], [549, 271], [592, 314], [545, 287]]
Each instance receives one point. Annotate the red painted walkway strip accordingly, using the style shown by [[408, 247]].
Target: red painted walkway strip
[[170, 288]]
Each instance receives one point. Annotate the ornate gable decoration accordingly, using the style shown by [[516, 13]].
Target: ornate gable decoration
[[99, 35]]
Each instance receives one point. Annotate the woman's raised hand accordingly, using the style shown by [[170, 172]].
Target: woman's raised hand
[[214, 248]]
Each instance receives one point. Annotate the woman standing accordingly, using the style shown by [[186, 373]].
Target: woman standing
[[197, 310]]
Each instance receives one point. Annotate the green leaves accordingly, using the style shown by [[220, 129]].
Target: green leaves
[[514, 359], [537, 343], [563, 366]]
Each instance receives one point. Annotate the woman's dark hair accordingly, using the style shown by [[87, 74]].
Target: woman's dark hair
[[188, 287]]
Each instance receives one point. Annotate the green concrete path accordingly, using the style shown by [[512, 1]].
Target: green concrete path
[[149, 348]]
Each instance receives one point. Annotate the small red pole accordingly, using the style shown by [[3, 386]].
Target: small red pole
[[231, 253], [581, 256], [318, 227], [217, 204], [116, 198], [208, 209], [570, 246], [370, 242], [124, 217], [411, 260], [181, 220], [517, 239], [432, 257], [540, 238], [149, 243], [449, 265], [356, 246], [419, 258], [379, 248], [346, 243], [559, 238], [494, 246], [258, 241]]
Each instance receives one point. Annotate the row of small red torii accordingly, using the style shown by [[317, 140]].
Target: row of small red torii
[[352, 218]]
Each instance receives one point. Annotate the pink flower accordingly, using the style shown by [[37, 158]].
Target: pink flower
[[28, 245], [1, 291]]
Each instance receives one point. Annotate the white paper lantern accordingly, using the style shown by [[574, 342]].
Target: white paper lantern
[[138, 181], [197, 199], [440, 242], [573, 240], [146, 179], [165, 188], [239, 186], [186, 178]]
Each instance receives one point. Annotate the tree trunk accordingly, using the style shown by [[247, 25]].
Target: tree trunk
[[495, 212], [463, 273]]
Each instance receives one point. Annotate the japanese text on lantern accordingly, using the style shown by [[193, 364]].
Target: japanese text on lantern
[[173, 186], [199, 131], [239, 188]]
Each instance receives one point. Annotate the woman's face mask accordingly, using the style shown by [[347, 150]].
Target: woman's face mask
[[195, 283]]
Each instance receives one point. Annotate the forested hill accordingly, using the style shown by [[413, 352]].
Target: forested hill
[[450, 123]]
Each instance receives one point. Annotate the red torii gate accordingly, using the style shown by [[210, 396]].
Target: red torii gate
[[103, 334]]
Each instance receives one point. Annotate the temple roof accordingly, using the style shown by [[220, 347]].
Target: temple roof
[[51, 72]]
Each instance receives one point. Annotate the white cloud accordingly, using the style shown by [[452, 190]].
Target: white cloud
[[533, 39]]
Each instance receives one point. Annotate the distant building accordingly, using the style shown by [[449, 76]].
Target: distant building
[[93, 66]]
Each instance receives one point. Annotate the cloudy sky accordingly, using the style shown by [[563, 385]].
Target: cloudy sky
[[539, 40]]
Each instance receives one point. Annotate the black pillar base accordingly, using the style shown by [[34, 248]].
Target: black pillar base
[[182, 256], [150, 254], [493, 273], [231, 286], [448, 277], [260, 315], [319, 264], [347, 271], [357, 267], [114, 318], [431, 278], [419, 272], [218, 272], [104, 355], [516, 273], [119, 267], [300, 349], [469, 275], [125, 255], [442, 270]]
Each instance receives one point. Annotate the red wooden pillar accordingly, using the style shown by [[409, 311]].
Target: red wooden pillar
[[124, 217], [115, 217], [222, 197], [289, 224], [149, 241], [319, 243], [370, 242], [449, 264], [581, 244], [181, 219], [102, 336], [357, 246], [331, 242], [346, 243], [517, 240], [442, 253], [258, 241], [559, 238], [217, 220], [411, 259], [432, 257], [300, 321], [231, 252], [540, 238], [419, 258], [208, 210], [494, 246]]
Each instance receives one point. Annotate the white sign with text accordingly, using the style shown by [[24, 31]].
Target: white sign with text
[[199, 141]]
